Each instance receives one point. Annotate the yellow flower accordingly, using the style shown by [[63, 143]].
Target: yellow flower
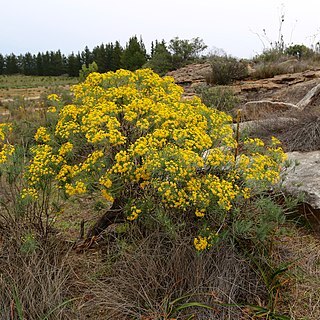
[[107, 195], [7, 150], [134, 213], [201, 243], [200, 213], [42, 135], [65, 148], [5, 128], [31, 193], [52, 109], [53, 97], [77, 188]]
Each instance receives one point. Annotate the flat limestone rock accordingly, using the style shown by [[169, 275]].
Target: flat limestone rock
[[305, 177], [273, 123], [255, 110]]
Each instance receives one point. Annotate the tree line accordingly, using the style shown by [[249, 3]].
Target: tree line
[[163, 57]]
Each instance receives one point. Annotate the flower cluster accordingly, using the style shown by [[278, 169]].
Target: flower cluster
[[6, 149], [42, 135]]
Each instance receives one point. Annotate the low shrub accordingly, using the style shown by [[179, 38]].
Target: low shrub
[[226, 69], [269, 70], [221, 98], [271, 55]]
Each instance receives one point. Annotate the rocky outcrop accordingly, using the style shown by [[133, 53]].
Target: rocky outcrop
[[191, 76], [304, 178]]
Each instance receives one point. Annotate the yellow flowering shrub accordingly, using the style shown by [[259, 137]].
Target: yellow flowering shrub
[[131, 136]]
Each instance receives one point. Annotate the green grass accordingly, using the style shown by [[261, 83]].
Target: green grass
[[22, 82]]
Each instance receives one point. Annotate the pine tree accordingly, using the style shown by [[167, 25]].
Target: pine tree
[[12, 65], [134, 55], [86, 56], [39, 64], [161, 60], [73, 70], [29, 64], [117, 53], [2, 65], [99, 56]]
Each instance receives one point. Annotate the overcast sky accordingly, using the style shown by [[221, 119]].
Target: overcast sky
[[236, 26]]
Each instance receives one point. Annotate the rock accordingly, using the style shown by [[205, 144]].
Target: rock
[[304, 178], [191, 73], [256, 86], [309, 97], [292, 93], [255, 110], [274, 124]]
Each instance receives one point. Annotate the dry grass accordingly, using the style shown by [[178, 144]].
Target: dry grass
[[304, 135], [34, 279], [302, 298], [34, 267], [146, 279]]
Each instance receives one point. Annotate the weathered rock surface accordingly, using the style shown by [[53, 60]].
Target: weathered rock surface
[[275, 124], [255, 110], [191, 76], [309, 97], [305, 177], [191, 73]]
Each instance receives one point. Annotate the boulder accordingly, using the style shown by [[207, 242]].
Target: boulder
[[255, 110], [192, 73], [304, 178], [274, 124], [309, 97]]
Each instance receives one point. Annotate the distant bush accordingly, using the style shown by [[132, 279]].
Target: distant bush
[[219, 97], [273, 55], [270, 55], [85, 71], [161, 59], [269, 70], [284, 59], [226, 69], [299, 51]]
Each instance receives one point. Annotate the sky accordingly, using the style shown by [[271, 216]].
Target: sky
[[240, 28]]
